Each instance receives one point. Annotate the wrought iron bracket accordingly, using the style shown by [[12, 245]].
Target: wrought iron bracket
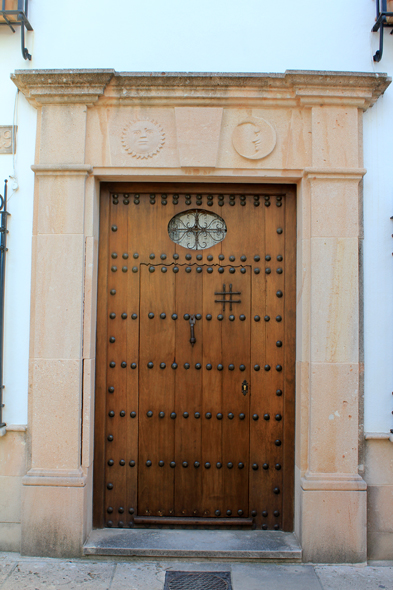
[[17, 18], [381, 23]]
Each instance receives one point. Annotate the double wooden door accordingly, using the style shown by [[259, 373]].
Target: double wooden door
[[195, 356]]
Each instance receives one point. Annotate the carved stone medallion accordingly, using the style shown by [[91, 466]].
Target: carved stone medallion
[[254, 138], [143, 138]]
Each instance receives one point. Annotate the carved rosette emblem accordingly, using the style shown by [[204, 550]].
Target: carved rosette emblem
[[254, 138], [143, 138]]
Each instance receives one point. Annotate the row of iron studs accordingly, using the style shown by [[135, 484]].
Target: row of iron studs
[[209, 257], [174, 316], [209, 366], [199, 199], [199, 257], [207, 465], [197, 415], [199, 269]]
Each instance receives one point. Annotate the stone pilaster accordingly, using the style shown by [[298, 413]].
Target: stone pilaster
[[54, 490], [333, 495]]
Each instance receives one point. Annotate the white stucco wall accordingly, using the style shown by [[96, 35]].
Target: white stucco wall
[[222, 36]]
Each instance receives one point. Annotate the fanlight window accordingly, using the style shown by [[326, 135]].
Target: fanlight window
[[197, 229]]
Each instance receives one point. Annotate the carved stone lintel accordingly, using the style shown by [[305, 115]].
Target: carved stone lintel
[[198, 135]]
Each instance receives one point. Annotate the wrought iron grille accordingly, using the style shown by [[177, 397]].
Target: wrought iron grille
[[197, 581], [384, 19], [13, 13], [197, 229]]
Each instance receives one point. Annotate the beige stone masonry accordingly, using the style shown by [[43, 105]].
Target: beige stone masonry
[[61, 137], [297, 127], [378, 473], [13, 457], [198, 135], [58, 296], [334, 524]]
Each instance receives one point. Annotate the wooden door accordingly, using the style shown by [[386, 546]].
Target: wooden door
[[195, 356]]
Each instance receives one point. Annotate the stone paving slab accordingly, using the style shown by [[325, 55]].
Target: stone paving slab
[[57, 574], [7, 564], [274, 577], [29, 573], [345, 577]]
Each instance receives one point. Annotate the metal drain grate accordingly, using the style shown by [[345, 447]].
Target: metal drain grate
[[198, 581]]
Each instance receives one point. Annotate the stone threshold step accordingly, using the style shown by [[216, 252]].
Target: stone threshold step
[[265, 545]]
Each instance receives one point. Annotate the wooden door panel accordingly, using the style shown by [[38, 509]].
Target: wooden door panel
[[188, 478], [212, 442], [288, 422], [163, 436], [274, 359], [132, 323], [148, 225], [117, 367], [156, 392], [236, 362]]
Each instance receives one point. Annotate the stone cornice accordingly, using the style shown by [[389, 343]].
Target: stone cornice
[[62, 86], [293, 88]]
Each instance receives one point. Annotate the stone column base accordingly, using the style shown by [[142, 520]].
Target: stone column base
[[54, 514], [333, 521]]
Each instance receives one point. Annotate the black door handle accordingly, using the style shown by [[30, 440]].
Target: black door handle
[[192, 324]]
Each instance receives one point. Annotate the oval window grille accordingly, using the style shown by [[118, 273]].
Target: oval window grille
[[196, 229]]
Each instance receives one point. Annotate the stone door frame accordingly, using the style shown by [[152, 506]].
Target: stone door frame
[[316, 119]]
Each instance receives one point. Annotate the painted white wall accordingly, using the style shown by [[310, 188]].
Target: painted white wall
[[206, 35], [18, 258]]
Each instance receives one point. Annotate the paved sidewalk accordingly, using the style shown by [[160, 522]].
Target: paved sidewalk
[[30, 573]]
